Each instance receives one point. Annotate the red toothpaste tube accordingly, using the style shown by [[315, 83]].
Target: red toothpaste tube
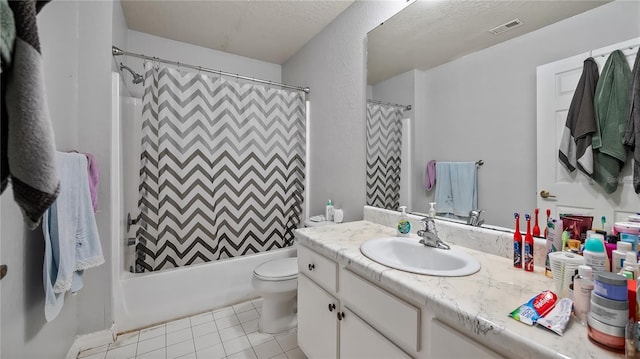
[[536, 308]]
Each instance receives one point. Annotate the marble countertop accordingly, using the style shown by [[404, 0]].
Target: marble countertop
[[479, 303]]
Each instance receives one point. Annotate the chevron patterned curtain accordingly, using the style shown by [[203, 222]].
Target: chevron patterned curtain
[[222, 168], [384, 146]]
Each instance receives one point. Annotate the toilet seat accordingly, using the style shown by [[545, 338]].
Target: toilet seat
[[277, 270]]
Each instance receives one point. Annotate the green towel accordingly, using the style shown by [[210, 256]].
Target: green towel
[[7, 31], [612, 112]]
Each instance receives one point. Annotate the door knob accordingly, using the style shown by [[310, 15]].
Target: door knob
[[545, 194], [332, 306]]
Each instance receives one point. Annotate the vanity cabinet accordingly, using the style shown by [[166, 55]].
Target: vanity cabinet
[[329, 327], [343, 315]]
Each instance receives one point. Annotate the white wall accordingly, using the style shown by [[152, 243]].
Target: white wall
[[150, 45], [74, 37], [333, 64], [483, 106]]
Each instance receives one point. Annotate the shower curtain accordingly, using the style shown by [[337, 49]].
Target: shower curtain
[[384, 146], [222, 168]]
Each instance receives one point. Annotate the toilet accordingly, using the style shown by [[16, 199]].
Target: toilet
[[277, 283]]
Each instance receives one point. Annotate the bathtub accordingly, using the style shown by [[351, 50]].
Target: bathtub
[[145, 299]]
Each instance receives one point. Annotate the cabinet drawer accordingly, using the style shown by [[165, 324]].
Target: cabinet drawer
[[447, 342], [393, 317], [320, 269]]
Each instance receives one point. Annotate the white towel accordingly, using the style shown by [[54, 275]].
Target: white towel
[[71, 236], [456, 188]]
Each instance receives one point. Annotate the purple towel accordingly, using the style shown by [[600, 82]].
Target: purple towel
[[94, 180], [430, 175]]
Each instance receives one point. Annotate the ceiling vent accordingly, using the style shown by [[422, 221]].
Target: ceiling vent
[[506, 27]]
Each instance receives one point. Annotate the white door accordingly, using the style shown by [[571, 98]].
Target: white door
[[574, 192], [317, 320]]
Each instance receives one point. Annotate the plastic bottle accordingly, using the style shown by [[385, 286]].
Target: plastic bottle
[[630, 269], [546, 228], [328, 211], [517, 243], [600, 237], [528, 246], [594, 254], [404, 226], [432, 210], [618, 256], [582, 287]]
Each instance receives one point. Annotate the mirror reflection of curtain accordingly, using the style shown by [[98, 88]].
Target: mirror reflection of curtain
[[222, 168], [384, 147]]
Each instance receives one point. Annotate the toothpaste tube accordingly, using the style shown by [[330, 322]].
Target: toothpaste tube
[[558, 318], [535, 308]]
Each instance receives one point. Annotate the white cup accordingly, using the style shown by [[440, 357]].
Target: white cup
[[338, 215]]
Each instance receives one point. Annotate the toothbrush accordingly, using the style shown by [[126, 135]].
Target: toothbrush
[[528, 246], [536, 228], [517, 243], [548, 218]]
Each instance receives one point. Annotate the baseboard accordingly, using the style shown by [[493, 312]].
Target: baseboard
[[92, 340]]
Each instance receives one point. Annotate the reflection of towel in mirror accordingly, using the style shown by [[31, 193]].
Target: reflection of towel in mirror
[[632, 134], [430, 175], [612, 112], [71, 236], [575, 147], [456, 188]]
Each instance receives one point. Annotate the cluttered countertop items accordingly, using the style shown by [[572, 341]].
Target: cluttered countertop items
[[495, 304]]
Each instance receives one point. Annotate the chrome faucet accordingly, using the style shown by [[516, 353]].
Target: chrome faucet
[[474, 218], [430, 235]]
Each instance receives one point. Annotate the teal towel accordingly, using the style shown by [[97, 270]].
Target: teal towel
[[456, 188], [611, 104]]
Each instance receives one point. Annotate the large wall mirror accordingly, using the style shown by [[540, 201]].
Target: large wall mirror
[[473, 92]]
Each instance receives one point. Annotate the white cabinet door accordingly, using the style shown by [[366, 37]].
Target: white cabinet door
[[360, 341], [447, 342], [317, 321], [574, 192]]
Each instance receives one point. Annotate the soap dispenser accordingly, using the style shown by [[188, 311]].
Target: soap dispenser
[[404, 226], [432, 210]]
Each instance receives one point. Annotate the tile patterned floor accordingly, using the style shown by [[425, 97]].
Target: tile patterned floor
[[227, 333]]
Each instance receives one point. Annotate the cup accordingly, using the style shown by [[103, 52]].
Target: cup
[[338, 215]]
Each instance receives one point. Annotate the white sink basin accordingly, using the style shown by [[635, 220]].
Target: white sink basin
[[410, 256]]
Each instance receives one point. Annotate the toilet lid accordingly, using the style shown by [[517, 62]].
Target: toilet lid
[[277, 269]]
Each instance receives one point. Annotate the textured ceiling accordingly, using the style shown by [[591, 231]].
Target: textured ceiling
[[270, 31], [429, 33]]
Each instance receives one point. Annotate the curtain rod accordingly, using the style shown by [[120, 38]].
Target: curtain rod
[[405, 107], [115, 51]]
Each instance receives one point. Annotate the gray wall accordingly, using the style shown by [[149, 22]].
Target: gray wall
[[483, 106], [74, 37], [333, 64]]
